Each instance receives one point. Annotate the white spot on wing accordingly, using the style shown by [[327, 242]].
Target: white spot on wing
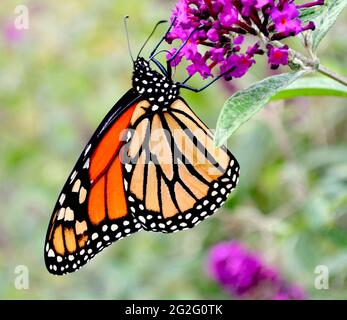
[[142, 219], [62, 198], [195, 220], [87, 149], [86, 164], [73, 176], [51, 253]]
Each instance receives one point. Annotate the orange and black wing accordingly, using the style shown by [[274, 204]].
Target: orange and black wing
[[176, 176], [92, 211]]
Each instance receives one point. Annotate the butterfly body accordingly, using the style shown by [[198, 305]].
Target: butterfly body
[[159, 90], [151, 164]]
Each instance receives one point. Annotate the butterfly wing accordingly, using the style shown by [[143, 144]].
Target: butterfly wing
[[92, 211], [176, 176]]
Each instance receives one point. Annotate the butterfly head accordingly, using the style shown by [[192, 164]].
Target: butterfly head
[[158, 89]]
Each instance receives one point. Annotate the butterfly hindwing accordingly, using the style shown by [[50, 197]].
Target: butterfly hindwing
[[92, 211], [176, 177]]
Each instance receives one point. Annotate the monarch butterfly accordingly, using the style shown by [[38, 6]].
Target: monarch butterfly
[[122, 182]]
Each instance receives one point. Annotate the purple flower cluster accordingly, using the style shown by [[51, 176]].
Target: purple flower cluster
[[244, 275], [214, 33]]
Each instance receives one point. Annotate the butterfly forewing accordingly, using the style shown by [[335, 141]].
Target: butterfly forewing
[[92, 211]]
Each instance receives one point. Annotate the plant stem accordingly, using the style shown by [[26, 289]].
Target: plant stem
[[331, 74], [314, 65], [307, 63]]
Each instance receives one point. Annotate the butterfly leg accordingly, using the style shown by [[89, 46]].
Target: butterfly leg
[[173, 57], [162, 39], [188, 87], [165, 72]]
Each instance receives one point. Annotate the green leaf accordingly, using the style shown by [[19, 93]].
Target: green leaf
[[241, 106], [309, 14], [326, 20], [312, 86]]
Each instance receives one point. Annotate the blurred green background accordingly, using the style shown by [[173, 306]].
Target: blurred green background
[[57, 81]]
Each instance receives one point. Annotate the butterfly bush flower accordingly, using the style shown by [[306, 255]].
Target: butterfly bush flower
[[277, 56], [244, 275], [11, 34], [213, 33]]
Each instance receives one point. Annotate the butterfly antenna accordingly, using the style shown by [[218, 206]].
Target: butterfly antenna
[[151, 34], [127, 36]]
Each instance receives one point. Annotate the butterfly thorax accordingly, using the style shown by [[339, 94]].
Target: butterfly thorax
[[156, 88]]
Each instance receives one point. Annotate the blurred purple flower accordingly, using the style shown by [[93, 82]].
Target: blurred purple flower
[[220, 26], [244, 274], [11, 34], [290, 293]]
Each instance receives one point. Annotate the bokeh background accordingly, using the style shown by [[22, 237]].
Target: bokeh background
[[57, 81]]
